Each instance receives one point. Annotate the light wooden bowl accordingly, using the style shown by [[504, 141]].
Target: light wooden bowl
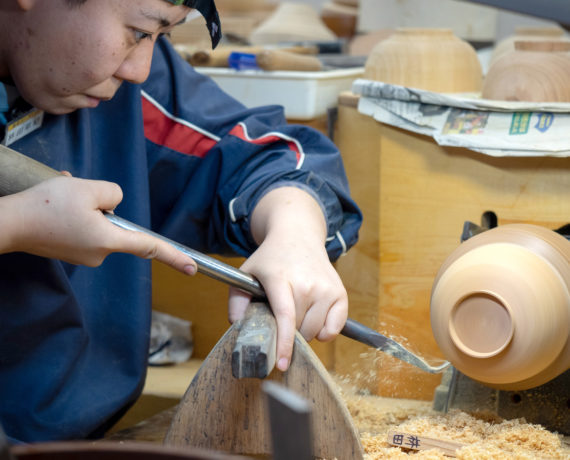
[[500, 306], [430, 59], [534, 71], [292, 22], [527, 34], [341, 19]]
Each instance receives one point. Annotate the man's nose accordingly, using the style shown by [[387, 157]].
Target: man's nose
[[136, 66]]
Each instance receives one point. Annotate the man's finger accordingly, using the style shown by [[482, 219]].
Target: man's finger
[[107, 194], [335, 321], [283, 308], [149, 247], [237, 304]]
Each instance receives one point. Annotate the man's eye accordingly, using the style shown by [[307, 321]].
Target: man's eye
[[139, 36]]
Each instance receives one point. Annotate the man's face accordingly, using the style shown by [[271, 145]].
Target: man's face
[[69, 58]]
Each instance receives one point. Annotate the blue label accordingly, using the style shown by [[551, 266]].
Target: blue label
[[544, 121]]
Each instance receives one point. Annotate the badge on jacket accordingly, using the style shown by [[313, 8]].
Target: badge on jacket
[[23, 125]]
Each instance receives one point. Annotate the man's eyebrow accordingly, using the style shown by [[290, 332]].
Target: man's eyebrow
[[159, 19]]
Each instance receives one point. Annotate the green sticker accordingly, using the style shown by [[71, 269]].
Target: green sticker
[[520, 123]]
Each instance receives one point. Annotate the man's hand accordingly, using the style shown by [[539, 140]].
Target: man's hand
[[62, 218], [302, 287]]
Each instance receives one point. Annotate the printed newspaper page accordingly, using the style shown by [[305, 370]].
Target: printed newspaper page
[[497, 128]]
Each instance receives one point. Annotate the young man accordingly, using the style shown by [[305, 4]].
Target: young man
[[137, 129]]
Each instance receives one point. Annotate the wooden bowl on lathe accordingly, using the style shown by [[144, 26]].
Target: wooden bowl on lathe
[[429, 59], [534, 71], [500, 306]]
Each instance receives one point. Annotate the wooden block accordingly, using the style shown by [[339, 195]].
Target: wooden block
[[255, 351]]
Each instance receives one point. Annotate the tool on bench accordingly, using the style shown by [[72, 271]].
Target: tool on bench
[[220, 56]]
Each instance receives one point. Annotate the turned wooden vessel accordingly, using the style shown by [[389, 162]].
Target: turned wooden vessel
[[340, 18], [527, 34], [292, 22], [500, 306], [534, 71], [430, 59]]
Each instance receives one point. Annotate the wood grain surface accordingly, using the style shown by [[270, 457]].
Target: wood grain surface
[[222, 413]]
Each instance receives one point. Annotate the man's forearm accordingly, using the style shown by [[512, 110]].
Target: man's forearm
[[288, 211]]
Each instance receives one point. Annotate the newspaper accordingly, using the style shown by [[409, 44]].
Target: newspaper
[[496, 128]]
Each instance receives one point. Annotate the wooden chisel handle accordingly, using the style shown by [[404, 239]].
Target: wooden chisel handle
[[19, 172], [219, 56], [285, 60]]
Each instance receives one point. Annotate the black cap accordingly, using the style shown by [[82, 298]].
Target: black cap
[[208, 10]]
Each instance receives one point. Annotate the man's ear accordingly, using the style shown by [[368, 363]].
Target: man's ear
[[26, 5]]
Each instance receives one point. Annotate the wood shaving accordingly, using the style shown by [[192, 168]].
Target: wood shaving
[[488, 437]]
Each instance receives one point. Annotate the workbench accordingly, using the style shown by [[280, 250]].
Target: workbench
[[415, 196]]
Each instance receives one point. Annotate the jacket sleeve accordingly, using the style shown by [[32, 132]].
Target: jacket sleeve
[[211, 160]]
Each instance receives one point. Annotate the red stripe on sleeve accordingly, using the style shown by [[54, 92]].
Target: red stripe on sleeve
[[162, 130], [238, 131]]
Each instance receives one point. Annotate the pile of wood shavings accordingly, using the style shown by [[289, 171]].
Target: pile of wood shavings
[[486, 436]]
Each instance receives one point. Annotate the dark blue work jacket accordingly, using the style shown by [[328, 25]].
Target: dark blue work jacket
[[192, 163]]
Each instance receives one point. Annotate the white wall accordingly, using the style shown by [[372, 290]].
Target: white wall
[[468, 20], [472, 22], [507, 22]]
